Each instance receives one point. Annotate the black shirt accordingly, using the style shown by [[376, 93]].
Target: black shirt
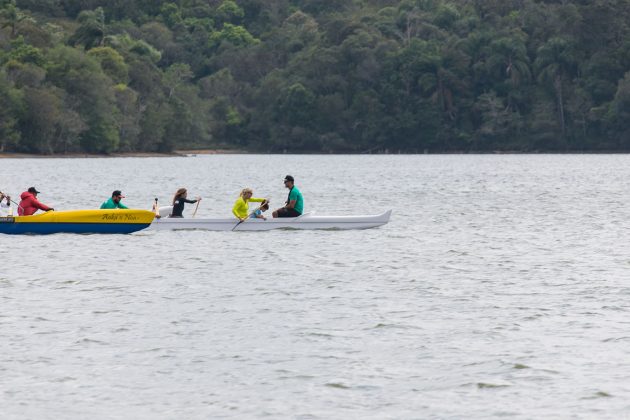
[[178, 207]]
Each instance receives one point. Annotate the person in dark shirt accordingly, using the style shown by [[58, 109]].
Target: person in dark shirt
[[179, 200]]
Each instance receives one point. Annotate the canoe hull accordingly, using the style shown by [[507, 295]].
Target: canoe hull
[[78, 221], [304, 222]]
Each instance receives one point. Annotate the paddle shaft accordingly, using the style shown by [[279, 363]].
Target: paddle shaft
[[248, 216], [196, 207]]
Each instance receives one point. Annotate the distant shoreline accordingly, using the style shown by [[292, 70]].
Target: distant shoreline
[[189, 152], [176, 153]]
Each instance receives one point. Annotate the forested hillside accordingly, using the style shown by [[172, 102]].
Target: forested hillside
[[108, 76]]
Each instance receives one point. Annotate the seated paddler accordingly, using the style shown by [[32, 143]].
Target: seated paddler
[[5, 205], [179, 201], [114, 201], [294, 206], [241, 205], [30, 204]]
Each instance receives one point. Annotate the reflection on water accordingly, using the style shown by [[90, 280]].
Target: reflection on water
[[499, 288]]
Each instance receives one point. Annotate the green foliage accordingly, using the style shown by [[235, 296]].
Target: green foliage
[[11, 108], [11, 16], [138, 47], [296, 106], [112, 63], [24, 53], [229, 12], [176, 75], [171, 14], [233, 35], [314, 75], [91, 30]]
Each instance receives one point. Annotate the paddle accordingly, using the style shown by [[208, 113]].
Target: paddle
[[196, 207], [241, 221]]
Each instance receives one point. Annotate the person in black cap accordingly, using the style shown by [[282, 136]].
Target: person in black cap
[[295, 202], [30, 204], [114, 201]]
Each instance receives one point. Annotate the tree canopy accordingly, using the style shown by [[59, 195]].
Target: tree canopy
[[357, 76]]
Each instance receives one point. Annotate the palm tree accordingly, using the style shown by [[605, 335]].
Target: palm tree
[[11, 16], [508, 60], [556, 64], [91, 32], [434, 72]]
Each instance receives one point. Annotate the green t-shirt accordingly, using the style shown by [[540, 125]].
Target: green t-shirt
[[296, 195], [109, 204]]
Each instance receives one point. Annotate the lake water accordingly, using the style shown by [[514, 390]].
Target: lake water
[[501, 288]]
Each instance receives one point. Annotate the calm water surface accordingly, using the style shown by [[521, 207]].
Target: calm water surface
[[501, 288]]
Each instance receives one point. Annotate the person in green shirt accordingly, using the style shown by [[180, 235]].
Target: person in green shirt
[[114, 201], [294, 206]]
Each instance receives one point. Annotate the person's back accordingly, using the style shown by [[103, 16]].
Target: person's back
[[296, 194], [30, 204]]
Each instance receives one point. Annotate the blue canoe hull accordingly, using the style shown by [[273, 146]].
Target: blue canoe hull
[[84, 228]]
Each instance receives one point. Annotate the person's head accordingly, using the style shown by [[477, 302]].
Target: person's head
[[247, 193], [181, 193], [33, 191], [117, 196], [264, 207], [288, 181]]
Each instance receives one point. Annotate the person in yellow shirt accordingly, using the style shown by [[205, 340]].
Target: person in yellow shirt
[[241, 205]]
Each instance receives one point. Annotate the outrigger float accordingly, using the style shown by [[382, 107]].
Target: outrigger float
[[308, 221], [78, 221]]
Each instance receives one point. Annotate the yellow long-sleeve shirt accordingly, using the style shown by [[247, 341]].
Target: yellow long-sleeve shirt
[[241, 207]]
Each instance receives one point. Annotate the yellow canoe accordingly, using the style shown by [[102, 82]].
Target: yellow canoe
[[78, 221]]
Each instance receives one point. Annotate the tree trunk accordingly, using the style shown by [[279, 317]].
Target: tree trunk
[[558, 85]]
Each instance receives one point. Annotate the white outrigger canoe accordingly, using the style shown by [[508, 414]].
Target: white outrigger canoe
[[307, 221]]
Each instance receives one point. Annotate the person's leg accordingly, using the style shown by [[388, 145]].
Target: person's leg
[[284, 212], [281, 212], [293, 213]]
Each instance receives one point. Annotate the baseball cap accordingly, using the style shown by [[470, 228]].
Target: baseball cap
[[117, 193], [288, 178], [33, 190]]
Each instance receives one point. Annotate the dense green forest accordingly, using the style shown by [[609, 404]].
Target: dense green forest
[[364, 76]]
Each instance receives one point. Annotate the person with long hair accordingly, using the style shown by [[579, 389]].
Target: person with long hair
[[179, 200], [241, 205]]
